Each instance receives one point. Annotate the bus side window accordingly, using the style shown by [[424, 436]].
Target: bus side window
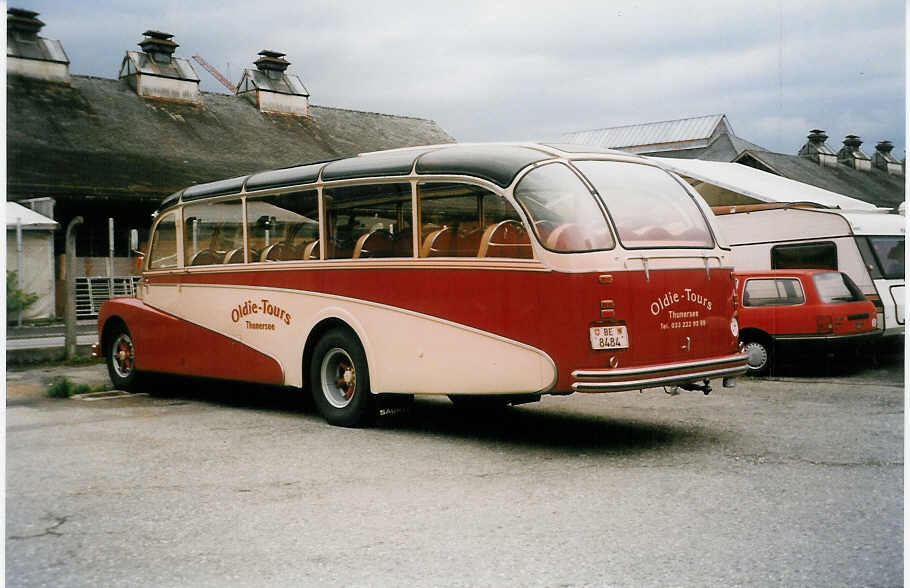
[[211, 232], [163, 249], [283, 227], [368, 221], [463, 220]]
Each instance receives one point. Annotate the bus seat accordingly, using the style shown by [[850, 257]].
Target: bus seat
[[403, 245], [567, 237], [276, 252], [376, 243], [311, 251], [234, 256], [507, 238], [467, 242], [205, 257], [439, 243]]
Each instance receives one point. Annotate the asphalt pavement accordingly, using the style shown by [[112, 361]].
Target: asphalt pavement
[[793, 480]]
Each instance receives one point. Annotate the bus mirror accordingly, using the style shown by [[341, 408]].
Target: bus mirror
[[134, 239]]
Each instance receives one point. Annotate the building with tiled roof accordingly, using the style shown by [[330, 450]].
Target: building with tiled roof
[[103, 148]]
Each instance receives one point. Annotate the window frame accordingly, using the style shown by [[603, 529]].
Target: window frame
[[802, 292]]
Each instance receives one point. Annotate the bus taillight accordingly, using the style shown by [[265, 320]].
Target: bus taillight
[[824, 323]]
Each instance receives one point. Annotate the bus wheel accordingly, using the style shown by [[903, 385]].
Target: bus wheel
[[340, 381], [759, 362], [121, 360]]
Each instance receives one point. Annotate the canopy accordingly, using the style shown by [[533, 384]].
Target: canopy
[[30, 219], [755, 184]]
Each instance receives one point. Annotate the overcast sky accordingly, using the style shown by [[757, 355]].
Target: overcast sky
[[494, 70]]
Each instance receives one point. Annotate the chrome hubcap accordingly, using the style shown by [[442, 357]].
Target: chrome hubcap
[[758, 355], [339, 378], [123, 356]]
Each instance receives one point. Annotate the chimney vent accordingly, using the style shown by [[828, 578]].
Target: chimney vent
[[23, 22], [271, 88], [155, 72], [817, 150], [883, 160], [32, 56], [272, 63], [158, 45], [850, 154]]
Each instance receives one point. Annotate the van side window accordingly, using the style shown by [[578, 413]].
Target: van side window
[[283, 227], [368, 221], [462, 220], [211, 231], [821, 255], [163, 248], [773, 292]]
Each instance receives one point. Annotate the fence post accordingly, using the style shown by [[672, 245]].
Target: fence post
[[69, 268]]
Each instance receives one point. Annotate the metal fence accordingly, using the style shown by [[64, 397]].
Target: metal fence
[[93, 291]]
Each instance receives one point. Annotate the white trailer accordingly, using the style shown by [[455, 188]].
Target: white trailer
[[866, 245]]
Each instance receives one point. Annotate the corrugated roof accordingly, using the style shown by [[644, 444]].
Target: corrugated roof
[[649, 134], [757, 184]]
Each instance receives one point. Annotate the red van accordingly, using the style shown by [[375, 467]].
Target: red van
[[796, 308]]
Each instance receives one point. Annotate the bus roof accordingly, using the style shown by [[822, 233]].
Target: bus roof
[[498, 163]]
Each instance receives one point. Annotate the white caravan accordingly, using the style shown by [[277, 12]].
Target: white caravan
[[866, 245]]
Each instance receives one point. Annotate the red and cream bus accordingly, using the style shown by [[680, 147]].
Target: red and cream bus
[[501, 271]]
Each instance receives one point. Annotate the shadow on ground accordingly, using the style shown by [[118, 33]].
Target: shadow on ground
[[527, 426], [814, 364]]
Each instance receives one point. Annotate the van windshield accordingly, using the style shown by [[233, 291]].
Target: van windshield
[[649, 207]]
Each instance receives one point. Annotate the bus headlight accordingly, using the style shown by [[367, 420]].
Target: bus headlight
[[734, 327]]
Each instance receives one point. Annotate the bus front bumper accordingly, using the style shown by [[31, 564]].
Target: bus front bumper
[[654, 376]]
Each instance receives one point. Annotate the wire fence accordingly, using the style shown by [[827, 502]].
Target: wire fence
[[91, 292]]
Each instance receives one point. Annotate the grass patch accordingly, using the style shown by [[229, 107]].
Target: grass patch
[[64, 388]]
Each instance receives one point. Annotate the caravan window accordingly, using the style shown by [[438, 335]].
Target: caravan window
[[889, 251], [820, 255]]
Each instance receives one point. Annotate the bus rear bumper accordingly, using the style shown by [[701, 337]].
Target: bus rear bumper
[[675, 374]]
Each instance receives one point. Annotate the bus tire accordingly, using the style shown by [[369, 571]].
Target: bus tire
[[120, 357], [340, 381]]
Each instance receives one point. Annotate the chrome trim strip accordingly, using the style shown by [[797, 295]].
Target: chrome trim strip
[[664, 367], [656, 382], [788, 338]]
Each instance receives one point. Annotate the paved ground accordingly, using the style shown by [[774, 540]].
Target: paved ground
[[794, 480]]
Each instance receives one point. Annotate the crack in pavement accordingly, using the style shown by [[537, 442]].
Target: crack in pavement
[[49, 531]]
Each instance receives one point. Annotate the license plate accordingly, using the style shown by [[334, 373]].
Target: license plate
[[609, 337]]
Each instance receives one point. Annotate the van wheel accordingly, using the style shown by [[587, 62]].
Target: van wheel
[[760, 359], [121, 360], [340, 381]]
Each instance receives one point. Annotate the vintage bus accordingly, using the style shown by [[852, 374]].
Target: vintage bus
[[492, 272]]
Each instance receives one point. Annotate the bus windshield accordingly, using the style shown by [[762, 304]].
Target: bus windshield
[[563, 212], [649, 207]]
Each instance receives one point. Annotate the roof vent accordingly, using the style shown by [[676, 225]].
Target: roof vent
[[271, 89], [850, 154], [155, 72], [32, 56], [817, 150], [158, 46], [883, 160]]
